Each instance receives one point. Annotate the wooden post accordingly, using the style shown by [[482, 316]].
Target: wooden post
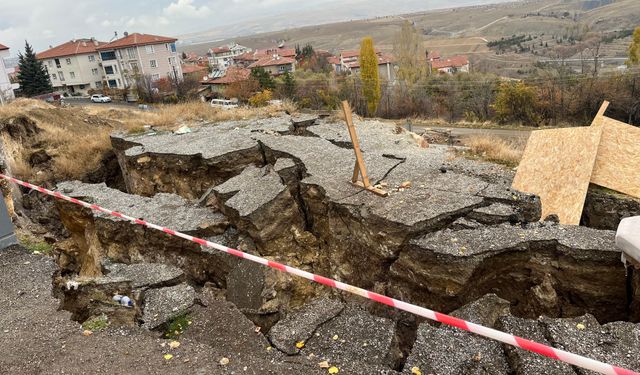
[[359, 169]]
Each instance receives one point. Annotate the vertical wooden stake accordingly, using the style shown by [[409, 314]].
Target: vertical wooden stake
[[359, 169]]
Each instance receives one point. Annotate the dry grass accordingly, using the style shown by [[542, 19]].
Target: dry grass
[[493, 149], [77, 138]]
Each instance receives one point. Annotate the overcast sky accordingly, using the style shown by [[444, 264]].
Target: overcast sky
[[51, 22]]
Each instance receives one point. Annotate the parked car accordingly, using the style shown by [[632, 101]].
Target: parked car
[[99, 98], [223, 103]]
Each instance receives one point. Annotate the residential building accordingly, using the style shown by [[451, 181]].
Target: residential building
[[6, 88], [218, 81], [139, 54], [74, 66], [275, 64], [190, 58], [223, 57], [350, 62], [196, 71], [450, 65], [335, 63], [249, 58]]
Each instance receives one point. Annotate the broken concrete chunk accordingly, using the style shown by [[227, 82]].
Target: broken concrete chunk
[[353, 334], [164, 304], [283, 163], [301, 324], [524, 362], [614, 343], [495, 214], [146, 275], [484, 311]]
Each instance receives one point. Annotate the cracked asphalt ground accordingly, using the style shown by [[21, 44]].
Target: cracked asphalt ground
[[36, 338]]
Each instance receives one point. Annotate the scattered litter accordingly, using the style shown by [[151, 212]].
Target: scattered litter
[[323, 364], [580, 326], [72, 285], [405, 185], [300, 344], [335, 337], [87, 332], [333, 370], [168, 356], [257, 330], [174, 344], [415, 371], [183, 130], [224, 361]]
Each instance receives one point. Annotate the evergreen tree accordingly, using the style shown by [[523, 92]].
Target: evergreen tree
[[264, 78], [369, 75], [634, 49], [307, 51], [33, 77], [289, 85]]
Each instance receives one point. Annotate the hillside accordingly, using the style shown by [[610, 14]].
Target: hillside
[[466, 30]]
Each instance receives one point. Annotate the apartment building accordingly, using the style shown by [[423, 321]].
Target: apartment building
[[74, 66], [6, 89], [223, 57], [350, 62], [139, 54]]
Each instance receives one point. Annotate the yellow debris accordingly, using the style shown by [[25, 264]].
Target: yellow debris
[[415, 371], [300, 344], [174, 344], [168, 356], [333, 370]]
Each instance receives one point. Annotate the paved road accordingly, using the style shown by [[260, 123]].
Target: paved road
[[84, 102], [508, 134]]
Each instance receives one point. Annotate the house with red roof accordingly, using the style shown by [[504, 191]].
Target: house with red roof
[[218, 80], [350, 62], [6, 88], [198, 71], [125, 59], [275, 64], [73, 66], [449, 65]]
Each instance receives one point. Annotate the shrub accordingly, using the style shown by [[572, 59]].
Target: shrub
[[261, 99]]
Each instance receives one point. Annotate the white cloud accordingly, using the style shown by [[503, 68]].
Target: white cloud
[[186, 9]]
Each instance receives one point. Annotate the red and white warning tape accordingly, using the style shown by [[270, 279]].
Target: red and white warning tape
[[547, 351]]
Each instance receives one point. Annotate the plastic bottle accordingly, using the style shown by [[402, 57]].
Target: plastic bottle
[[126, 301]]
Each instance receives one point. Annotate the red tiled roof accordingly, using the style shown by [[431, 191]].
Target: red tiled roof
[[187, 69], [283, 52], [333, 60], [382, 60], [137, 39], [220, 49], [433, 55], [232, 75], [355, 53], [272, 61], [72, 47], [247, 56], [2, 46], [451, 62]]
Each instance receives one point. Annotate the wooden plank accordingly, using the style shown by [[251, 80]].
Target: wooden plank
[[375, 190], [598, 119], [617, 165], [557, 166], [356, 145]]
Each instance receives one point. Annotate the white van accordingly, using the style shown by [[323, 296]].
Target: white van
[[224, 103]]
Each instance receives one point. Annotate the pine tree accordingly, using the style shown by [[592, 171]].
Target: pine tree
[[33, 77], [289, 85], [369, 74], [264, 78], [634, 49]]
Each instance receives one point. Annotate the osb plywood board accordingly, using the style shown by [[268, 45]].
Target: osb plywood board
[[617, 164], [557, 166]]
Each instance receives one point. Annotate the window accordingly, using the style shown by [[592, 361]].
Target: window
[[98, 84], [120, 54], [72, 75], [112, 83], [172, 60], [172, 46], [68, 61], [106, 56], [82, 87], [155, 77], [57, 63], [94, 71], [153, 63], [134, 66], [92, 58], [108, 69], [61, 75], [131, 53], [149, 49], [53, 76]]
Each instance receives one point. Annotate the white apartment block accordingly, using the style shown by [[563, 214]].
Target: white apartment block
[[138, 54], [222, 57], [6, 88], [74, 66]]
